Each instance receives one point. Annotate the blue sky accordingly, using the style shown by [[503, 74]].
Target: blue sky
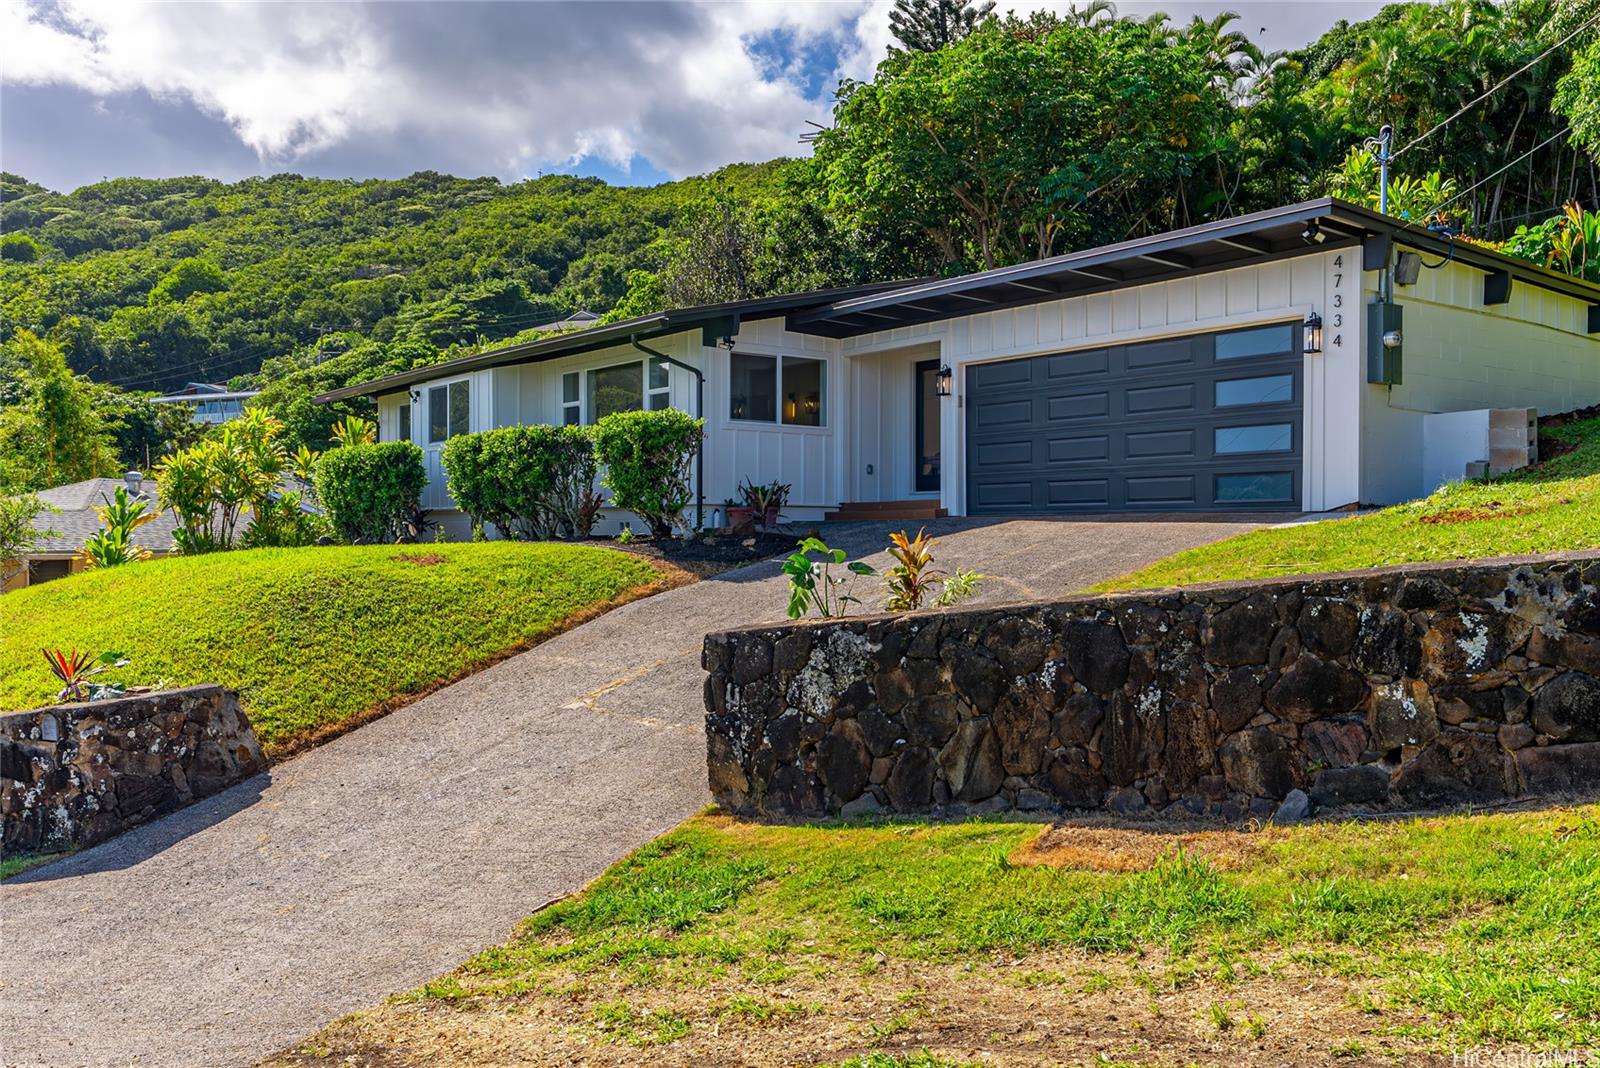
[[632, 92]]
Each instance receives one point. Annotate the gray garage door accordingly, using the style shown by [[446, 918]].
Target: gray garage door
[[1205, 422]]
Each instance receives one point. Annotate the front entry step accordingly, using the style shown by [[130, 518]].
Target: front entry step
[[887, 510]]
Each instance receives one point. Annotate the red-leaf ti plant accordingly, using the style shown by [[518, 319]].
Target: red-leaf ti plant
[[76, 668], [912, 579]]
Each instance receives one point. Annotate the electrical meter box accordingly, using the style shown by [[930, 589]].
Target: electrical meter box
[[1383, 343]]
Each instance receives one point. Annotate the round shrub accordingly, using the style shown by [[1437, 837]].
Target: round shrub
[[368, 491], [19, 248], [648, 459], [530, 481]]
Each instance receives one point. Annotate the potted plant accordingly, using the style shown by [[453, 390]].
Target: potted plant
[[759, 505]]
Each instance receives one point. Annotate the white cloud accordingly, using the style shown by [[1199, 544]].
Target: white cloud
[[513, 85], [362, 88]]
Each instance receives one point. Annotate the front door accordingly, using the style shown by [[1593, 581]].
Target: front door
[[925, 450]]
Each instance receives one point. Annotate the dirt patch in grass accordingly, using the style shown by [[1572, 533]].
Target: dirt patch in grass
[[420, 559], [1052, 1008], [1492, 510], [1114, 848]]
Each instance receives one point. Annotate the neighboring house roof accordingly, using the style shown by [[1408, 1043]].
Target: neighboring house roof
[[78, 518], [1217, 246], [578, 320], [715, 319], [204, 391]]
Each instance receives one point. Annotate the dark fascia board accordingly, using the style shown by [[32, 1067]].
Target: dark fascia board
[[1484, 259], [1342, 222], [599, 337], [1106, 258]]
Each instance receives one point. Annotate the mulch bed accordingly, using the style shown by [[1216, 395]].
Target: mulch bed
[[711, 553]]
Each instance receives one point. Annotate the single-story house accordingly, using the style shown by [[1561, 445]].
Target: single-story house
[[1291, 359], [208, 402], [76, 518]]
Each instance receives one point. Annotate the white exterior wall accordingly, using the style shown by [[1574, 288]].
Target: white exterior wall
[[1285, 290], [805, 457], [531, 393], [1459, 354]]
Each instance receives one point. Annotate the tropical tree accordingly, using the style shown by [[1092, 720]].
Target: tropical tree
[[55, 433], [20, 533], [929, 25]]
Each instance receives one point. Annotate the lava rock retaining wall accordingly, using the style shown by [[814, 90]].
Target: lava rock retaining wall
[[73, 775], [1414, 687]]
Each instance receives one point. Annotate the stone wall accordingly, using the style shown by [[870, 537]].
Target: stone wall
[[1415, 687], [73, 775]]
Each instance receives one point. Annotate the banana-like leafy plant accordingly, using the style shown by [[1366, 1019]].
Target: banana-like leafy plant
[[113, 544], [354, 430]]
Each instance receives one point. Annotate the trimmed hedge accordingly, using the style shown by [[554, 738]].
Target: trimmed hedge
[[648, 459], [530, 481], [368, 491]]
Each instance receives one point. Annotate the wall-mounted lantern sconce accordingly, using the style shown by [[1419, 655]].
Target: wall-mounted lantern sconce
[[1313, 334], [941, 383]]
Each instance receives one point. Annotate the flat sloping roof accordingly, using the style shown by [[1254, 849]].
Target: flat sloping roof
[[1223, 245], [707, 316]]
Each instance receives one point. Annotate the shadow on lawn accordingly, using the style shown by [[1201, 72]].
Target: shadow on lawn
[[141, 843]]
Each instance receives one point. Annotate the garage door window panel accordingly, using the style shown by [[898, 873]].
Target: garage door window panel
[[1266, 487], [1262, 341], [1260, 437], [1264, 389]]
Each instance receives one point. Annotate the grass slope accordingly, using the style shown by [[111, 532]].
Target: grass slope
[[730, 941], [1551, 507], [311, 638]]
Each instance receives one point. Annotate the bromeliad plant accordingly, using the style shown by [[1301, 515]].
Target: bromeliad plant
[[912, 582], [76, 668], [813, 584]]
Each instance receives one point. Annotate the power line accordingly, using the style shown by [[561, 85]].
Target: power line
[[1502, 170], [1500, 85]]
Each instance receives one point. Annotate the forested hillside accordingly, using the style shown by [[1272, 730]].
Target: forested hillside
[[1003, 140]]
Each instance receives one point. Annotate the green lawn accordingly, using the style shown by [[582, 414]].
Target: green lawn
[[1552, 507], [311, 638], [944, 944]]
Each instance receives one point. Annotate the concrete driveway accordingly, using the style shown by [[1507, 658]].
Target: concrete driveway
[[233, 928]]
